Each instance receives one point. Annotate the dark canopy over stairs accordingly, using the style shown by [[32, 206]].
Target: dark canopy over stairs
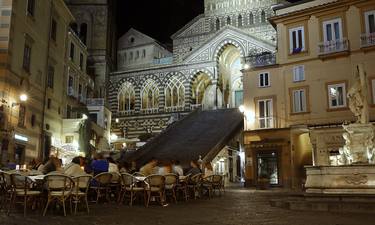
[[202, 133]]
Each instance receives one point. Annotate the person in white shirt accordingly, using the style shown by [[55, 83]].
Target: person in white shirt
[[177, 168], [112, 168], [74, 169]]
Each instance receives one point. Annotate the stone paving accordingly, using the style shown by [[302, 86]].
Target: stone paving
[[236, 207]]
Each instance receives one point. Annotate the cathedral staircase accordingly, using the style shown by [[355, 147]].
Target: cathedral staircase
[[201, 133]]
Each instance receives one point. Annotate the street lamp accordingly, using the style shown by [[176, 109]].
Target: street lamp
[[23, 98]]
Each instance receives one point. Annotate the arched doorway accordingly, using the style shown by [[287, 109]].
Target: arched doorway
[[202, 94], [230, 85]]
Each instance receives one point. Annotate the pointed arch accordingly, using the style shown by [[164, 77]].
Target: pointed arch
[[251, 18], [150, 95], [239, 19], [217, 24], [229, 22], [126, 97], [175, 93], [263, 16]]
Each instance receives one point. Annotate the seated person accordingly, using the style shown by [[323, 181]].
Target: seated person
[[74, 169], [194, 168], [177, 168], [208, 170], [149, 168], [99, 164], [53, 165]]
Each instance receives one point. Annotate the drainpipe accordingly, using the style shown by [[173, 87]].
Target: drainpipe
[[41, 140]]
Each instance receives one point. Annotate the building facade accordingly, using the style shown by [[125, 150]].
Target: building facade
[[43, 79], [153, 86], [300, 102]]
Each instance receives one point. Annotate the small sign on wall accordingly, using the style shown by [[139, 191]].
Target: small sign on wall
[[249, 161]]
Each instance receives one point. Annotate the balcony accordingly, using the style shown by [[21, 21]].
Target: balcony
[[150, 111], [195, 106], [174, 108], [260, 60], [71, 91], [95, 102], [334, 46], [126, 113], [367, 40]]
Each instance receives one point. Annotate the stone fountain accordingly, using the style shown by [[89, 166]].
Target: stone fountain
[[355, 172]]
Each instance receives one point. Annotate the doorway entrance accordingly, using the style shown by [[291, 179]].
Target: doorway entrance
[[267, 166]]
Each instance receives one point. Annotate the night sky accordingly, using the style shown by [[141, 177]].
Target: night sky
[[157, 18]]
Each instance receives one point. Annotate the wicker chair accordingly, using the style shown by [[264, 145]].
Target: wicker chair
[[101, 183], [115, 184], [81, 187], [60, 188], [129, 184], [182, 187], [212, 183], [138, 174], [171, 181], [195, 184], [155, 184], [8, 191], [22, 188]]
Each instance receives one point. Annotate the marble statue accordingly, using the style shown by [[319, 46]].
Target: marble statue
[[357, 96]]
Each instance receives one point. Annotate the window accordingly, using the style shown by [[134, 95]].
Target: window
[[337, 95], [265, 113], [68, 111], [5, 12], [217, 24], [373, 90], [150, 95], [80, 60], [32, 120], [21, 115], [296, 40], [228, 20], [239, 21], [50, 76], [71, 54], [299, 100], [370, 21], [126, 97], [332, 30], [53, 29], [298, 73], [263, 17], [143, 53], [251, 19], [69, 139], [175, 92], [26, 57], [83, 33], [31, 7], [131, 55], [137, 54], [264, 80], [70, 86], [48, 103]]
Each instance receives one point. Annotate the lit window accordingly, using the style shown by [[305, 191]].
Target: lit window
[[126, 97], [150, 95], [299, 100], [265, 112], [337, 95], [296, 40], [264, 80], [298, 73]]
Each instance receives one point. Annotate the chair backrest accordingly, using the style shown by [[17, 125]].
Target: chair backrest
[[58, 182], [127, 179], [103, 178], [216, 179], [171, 179], [155, 181], [115, 177], [8, 180], [196, 178], [138, 174], [82, 182]]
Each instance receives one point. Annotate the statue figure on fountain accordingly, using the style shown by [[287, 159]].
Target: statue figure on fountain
[[359, 136]]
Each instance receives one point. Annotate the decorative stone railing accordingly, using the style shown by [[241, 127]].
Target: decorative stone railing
[[260, 60], [367, 40], [95, 102], [333, 46], [195, 106], [174, 108], [149, 111], [126, 113]]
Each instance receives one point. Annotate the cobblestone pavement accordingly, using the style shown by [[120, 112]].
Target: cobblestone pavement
[[237, 207]]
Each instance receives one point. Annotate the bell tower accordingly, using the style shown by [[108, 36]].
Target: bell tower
[[96, 26]]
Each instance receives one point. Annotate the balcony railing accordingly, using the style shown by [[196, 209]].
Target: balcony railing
[[259, 60], [333, 46], [150, 111], [71, 91], [174, 108], [195, 106], [126, 112], [367, 40], [95, 102]]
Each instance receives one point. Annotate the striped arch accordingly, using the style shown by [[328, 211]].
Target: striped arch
[[221, 47]]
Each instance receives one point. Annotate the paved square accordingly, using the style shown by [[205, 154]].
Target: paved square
[[236, 207]]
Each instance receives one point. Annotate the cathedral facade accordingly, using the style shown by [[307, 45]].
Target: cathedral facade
[[153, 86]]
